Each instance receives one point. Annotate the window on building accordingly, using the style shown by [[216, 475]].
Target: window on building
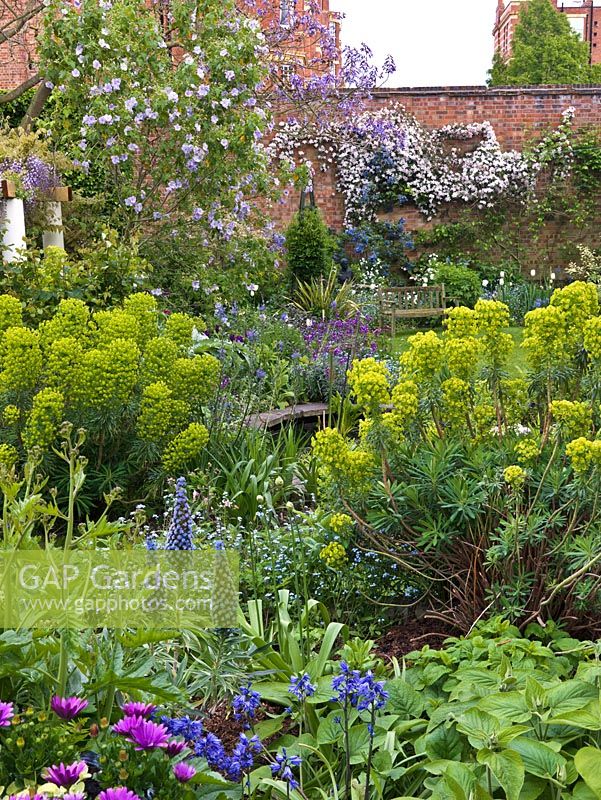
[[286, 72], [577, 23]]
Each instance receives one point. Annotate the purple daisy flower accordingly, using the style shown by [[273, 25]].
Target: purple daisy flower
[[65, 775], [184, 772], [147, 735], [118, 793], [174, 748], [124, 726], [73, 796], [25, 796], [67, 707], [7, 712], [138, 709]]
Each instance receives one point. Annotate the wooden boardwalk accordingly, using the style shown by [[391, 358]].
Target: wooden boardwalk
[[279, 416]]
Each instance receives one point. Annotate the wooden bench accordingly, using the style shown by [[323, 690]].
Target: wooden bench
[[410, 302]]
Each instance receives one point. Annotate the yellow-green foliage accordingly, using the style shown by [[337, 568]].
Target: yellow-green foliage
[[573, 418], [554, 334], [129, 372], [160, 413], [44, 419], [457, 384], [186, 448], [368, 380], [334, 555], [11, 315]]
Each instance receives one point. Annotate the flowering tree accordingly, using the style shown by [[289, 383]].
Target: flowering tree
[[312, 79], [169, 106]]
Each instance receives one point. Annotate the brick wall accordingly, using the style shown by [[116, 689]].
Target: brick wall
[[518, 114], [17, 56]]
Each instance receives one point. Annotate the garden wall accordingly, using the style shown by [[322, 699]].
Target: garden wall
[[518, 114]]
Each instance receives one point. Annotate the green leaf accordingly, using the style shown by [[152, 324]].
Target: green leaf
[[457, 783], [508, 769], [403, 699], [588, 764], [533, 788], [538, 758], [329, 730], [382, 761], [478, 726], [571, 696], [588, 718], [359, 743], [535, 695], [511, 706], [268, 727], [582, 792], [317, 666], [443, 742]]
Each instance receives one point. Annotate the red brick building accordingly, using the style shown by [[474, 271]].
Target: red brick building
[[19, 23], [583, 15], [303, 51], [19, 18]]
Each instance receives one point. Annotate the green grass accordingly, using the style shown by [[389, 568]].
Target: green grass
[[517, 362]]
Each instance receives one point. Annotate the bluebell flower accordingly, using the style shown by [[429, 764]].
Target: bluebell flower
[[301, 687], [189, 729], [260, 374], [371, 693], [361, 691], [283, 767], [246, 703], [242, 758], [180, 533], [346, 685], [211, 748]]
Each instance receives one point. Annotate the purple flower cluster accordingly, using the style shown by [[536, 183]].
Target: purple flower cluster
[[282, 768], [342, 339], [184, 772], [132, 709], [181, 530], [246, 703], [142, 733], [208, 746], [301, 687], [118, 793], [65, 775], [360, 691], [35, 175]]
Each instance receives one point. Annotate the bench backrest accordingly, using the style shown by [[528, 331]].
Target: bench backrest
[[412, 298]]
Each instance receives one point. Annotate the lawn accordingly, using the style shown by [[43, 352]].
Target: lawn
[[517, 364]]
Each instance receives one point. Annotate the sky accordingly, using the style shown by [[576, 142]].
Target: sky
[[433, 42]]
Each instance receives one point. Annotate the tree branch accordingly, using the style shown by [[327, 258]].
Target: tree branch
[[36, 105], [31, 11], [8, 97]]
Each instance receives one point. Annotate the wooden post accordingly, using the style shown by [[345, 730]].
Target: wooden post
[[13, 224]]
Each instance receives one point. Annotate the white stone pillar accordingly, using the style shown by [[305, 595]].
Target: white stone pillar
[[54, 215], [13, 229]]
